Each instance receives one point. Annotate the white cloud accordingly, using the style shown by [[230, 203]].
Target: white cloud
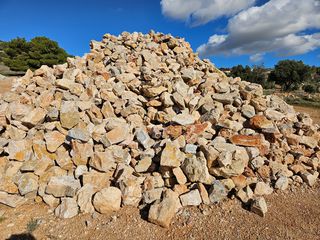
[[198, 12], [277, 26], [256, 58]]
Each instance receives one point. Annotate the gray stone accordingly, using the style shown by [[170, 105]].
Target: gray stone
[[195, 168], [143, 138], [217, 192], [80, 134], [191, 198], [67, 209]]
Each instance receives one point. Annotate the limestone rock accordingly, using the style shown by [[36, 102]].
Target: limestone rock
[[191, 198], [67, 209], [107, 200], [259, 206], [62, 186], [171, 156], [162, 212]]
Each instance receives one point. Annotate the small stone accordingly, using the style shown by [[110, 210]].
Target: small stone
[[260, 122], [171, 156], [143, 165], [117, 134], [203, 193], [20, 150], [152, 195], [190, 148], [245, 194], [62, 186], [309, 178], [107, 200], [191, 198], [180, 177], [102, 161], [248, 111], [69, 115], [217, 192], [143, 138], [131, 191], [67, 209], [282, 183], [51, 201], [195, 168], [262, 188], [184, 119], [259, 206], [309, 141]]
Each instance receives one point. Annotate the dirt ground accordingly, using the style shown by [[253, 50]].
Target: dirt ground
[[293, 214]]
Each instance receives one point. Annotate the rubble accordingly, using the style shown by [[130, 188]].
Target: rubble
[[142, 121]]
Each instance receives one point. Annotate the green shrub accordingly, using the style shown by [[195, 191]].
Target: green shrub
[[310, 88]]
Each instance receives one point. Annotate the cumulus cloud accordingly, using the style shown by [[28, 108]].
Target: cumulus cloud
[[197, 12], [278, 26]]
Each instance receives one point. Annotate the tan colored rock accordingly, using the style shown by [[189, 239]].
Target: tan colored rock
[[180, 177], [171, 156], [84, 198], [54, 140], [34, 117], [107, 200], [163, 212], [62, 186], [20, 150], [260, 122], [117, 134]]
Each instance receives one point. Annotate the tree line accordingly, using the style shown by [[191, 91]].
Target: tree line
[[21, 55], [289, 74]]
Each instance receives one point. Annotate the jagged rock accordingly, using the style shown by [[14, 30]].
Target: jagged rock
[[54, 140], [191, 198], [282, 183], [259, 206], [262, 188], [217, 192], [68, 208], [196, 170], [171, 156], [11, 200], [84, 198], [62, 186], [27, 183], [162, 212]]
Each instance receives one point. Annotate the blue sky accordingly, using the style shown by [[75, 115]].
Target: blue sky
[[73, 23]]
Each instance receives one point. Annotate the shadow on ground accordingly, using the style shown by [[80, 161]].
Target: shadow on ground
[[22, 236]]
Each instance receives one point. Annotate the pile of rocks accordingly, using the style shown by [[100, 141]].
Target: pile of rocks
[[142, 121]]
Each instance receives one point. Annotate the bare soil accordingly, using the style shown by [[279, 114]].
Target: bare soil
[[292, 214]]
